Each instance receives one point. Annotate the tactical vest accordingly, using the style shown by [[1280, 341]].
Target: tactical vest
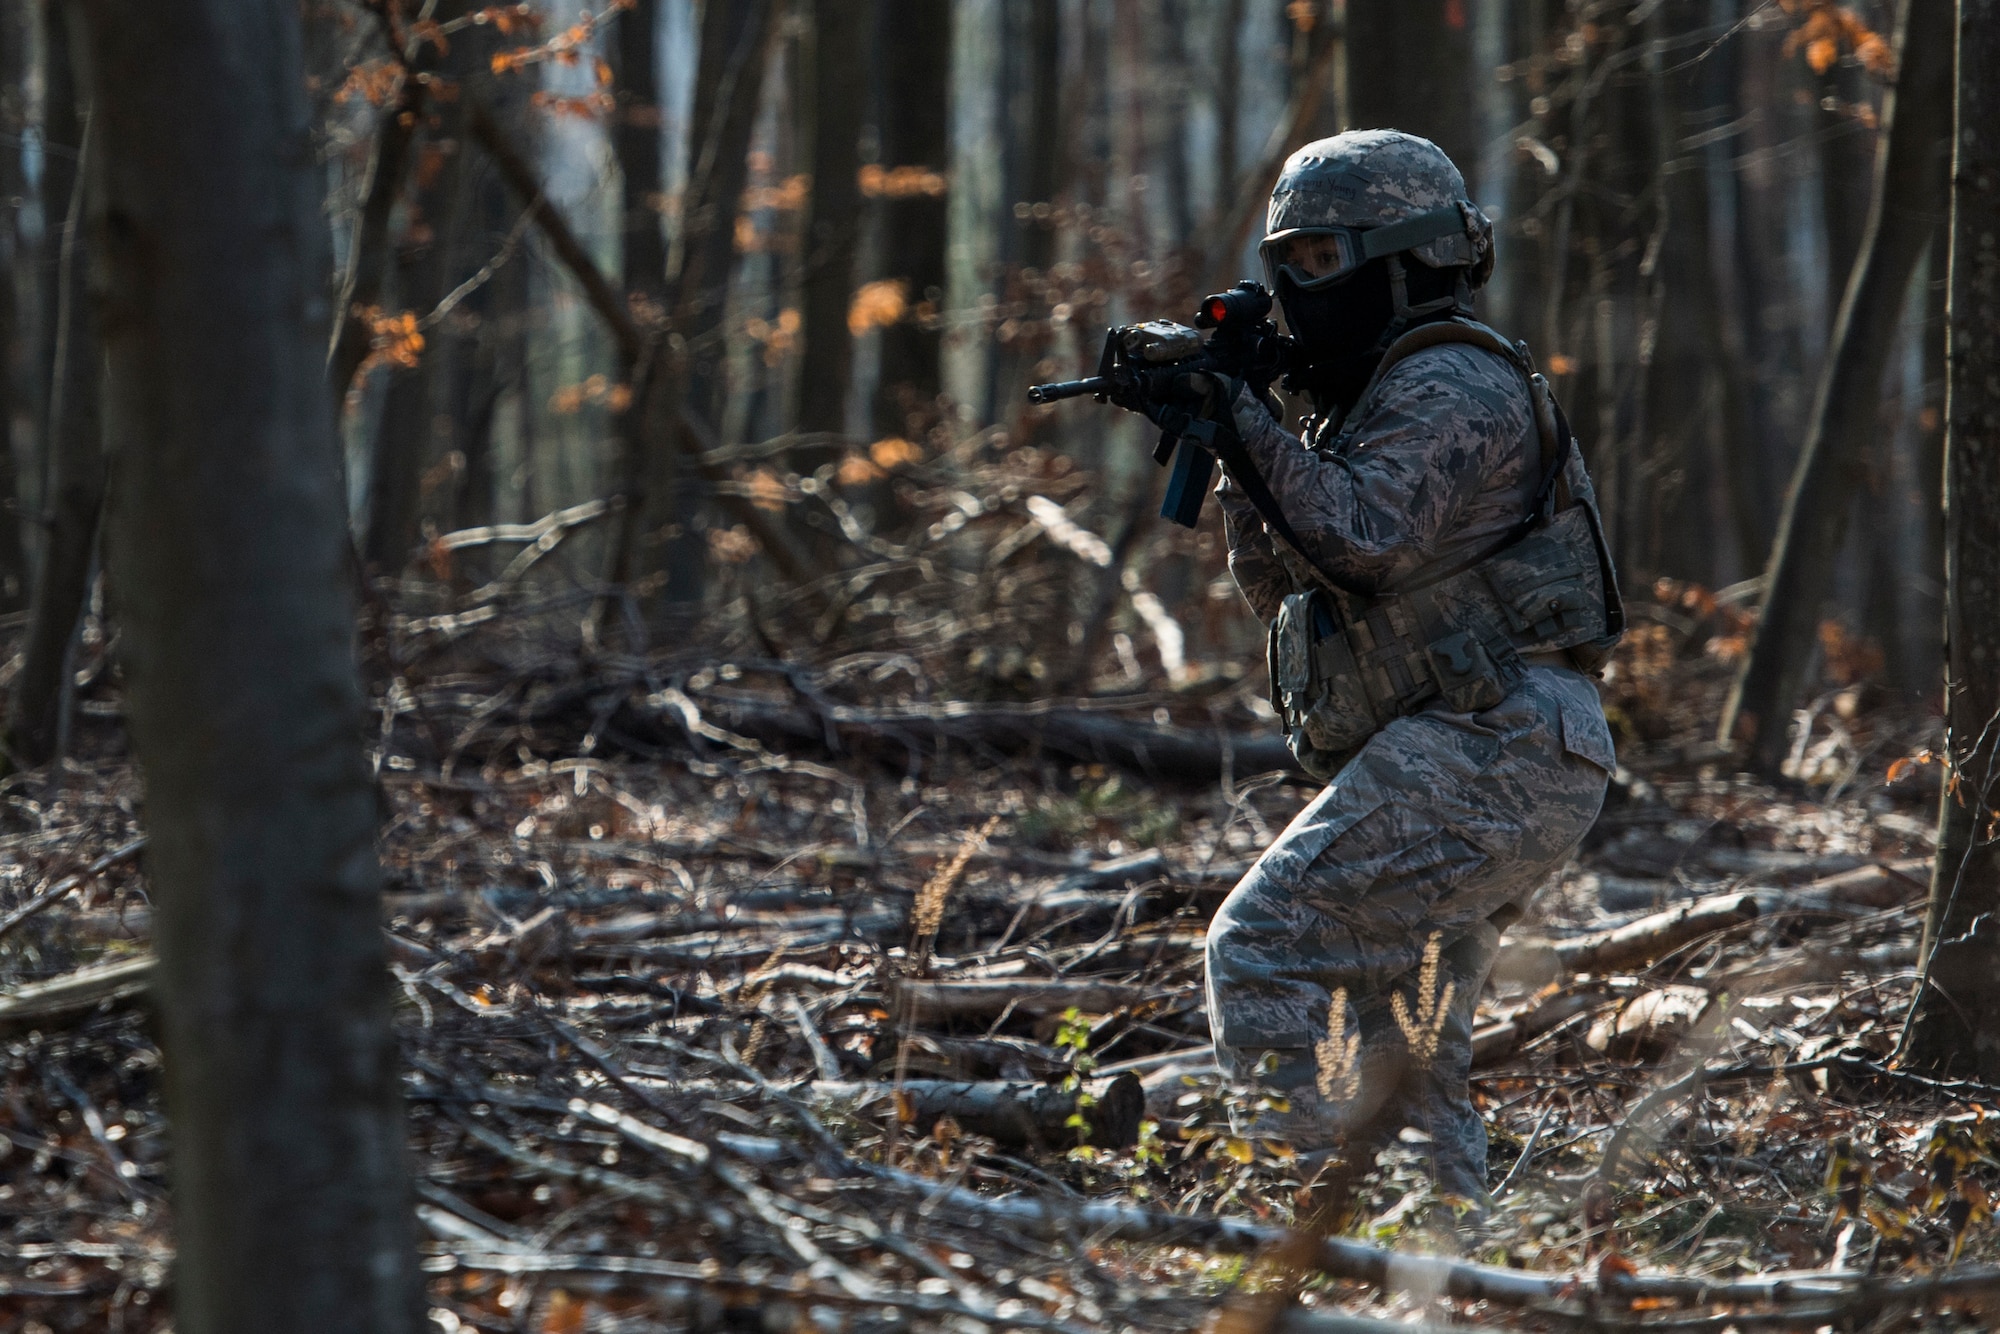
[[1345, 661]]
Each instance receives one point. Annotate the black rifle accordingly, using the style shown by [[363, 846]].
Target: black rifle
[[1141, 363]]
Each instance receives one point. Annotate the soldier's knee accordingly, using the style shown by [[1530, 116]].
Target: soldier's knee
[[1238, 918]]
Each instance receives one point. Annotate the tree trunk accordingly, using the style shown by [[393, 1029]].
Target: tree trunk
[[1952, 1025], [1037, 143], [728, 86], [72, 436], [1695, 382], [840, 70], [914, 46], [636, 138], [1598, 300], [1409, 67], [1228, 100], [15, 58], [1909, 191], [477, 345], [368, 254], [413, 433], [1523, 252], [227, 556], [405, 445], [1847, 153], [1929, 585]]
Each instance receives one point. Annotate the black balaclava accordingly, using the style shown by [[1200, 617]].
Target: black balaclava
[[1344, 328]]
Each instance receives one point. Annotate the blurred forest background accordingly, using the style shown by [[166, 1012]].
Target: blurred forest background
[[766, 705], [857, 232]]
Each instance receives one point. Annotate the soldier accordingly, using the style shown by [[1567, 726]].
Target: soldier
[[1435, 577]]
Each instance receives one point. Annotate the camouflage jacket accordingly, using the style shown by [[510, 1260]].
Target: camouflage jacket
[[1433, 472]]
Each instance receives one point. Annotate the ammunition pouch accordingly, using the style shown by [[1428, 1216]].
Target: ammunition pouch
[[1344, 666]]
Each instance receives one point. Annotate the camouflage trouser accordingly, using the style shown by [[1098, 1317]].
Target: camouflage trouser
[[1440, 822]]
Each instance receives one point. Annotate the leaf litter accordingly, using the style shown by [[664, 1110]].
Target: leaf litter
[[688, 946]]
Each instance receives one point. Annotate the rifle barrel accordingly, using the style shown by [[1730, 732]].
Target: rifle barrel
[[1062, 389]]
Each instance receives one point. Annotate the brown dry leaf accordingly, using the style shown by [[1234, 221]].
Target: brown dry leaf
[[563, 1315], [894, 452], [376, 82], [857, 471], [509, 19], [1875, 56], [588, 107], [906, 182], [1906, 765], [393, 340], [430, 30], [732, 546], [766, 491], [876, 305]]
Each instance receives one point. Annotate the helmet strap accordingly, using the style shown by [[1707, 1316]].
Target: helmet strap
[[1407, 314]]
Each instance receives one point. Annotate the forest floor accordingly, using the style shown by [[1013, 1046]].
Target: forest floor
[[758, 995]]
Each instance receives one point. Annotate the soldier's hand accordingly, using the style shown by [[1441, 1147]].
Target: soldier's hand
[[1198, 394], [1163, 394]]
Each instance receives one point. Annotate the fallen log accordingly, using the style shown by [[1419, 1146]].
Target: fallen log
[[69, 882], [1784, 969], [1647, 1027], [926, 1001], [1016, 1113], [711, 948], [1651, 937], [932, 1057], [1810, 1296], [1882, 885], [1497, 1041], [1653, 855], [1075, 732], [652, 926], [1632, 945], [76, 992], [1012, 1113]]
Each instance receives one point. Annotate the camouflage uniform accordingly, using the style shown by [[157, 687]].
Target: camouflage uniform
[[1443, 824]]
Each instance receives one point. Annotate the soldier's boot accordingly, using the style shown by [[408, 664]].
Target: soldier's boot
[[1359, 1120]]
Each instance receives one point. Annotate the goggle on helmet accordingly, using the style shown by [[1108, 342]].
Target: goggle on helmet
[[1345, 249]]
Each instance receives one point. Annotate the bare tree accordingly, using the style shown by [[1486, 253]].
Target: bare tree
[[368, 255], [1952, 1023], [840, 68], [635, 134], [427, 250], [1409, 67], [915, 49], [71, 433], [15, 59], [1698, 408], [1038, 171], [680, 377], [1910, 185], [228, 565]]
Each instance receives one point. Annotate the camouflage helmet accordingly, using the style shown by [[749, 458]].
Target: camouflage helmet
[[1402, 188]]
